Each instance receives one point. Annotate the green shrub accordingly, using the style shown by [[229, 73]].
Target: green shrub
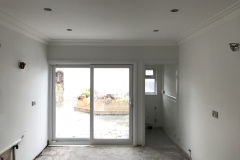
[[86, 93]]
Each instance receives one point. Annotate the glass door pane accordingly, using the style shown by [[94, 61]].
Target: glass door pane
[[111, 103], [72, 100]]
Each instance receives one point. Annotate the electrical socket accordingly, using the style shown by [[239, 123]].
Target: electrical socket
[[215, 114]]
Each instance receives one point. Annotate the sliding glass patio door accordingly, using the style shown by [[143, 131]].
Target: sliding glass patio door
[[92, 103], [111, 103], [72, 102]]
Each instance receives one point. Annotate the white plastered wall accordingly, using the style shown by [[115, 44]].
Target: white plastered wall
[[18, 88], [209, 76], [170, 101]]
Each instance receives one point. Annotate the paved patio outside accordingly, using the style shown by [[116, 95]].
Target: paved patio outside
[[76, 124]]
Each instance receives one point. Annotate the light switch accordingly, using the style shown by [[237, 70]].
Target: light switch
[[215, 114]]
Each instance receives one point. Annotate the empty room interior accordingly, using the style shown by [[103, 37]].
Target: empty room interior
[[129, 79]]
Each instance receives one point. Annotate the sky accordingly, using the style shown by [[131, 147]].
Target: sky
[[106, 81]]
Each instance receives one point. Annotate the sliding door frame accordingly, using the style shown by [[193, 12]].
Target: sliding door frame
[[78, 141]]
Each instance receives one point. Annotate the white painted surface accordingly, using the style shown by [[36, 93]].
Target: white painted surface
[[170, 79], [113, 20], [209, 80], [117, 53], [85, 42], [18, 88], [153, 103], [141, 55], [170, 107]]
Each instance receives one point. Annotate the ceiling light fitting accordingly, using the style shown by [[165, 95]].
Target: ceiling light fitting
[[234, 46], [48, 9], [174, 10], [69, 29], [155, 30]]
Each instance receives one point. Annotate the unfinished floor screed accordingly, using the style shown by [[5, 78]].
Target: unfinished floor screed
[[158, 147]]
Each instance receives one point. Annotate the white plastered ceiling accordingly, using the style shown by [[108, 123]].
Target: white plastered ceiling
[[111, 20]]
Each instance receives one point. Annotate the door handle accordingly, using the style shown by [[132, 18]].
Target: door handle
[[130, 102]]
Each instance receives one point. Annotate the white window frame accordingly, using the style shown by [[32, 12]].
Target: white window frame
[[154, 76]]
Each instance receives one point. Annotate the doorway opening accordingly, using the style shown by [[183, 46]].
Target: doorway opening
[[161, 106]]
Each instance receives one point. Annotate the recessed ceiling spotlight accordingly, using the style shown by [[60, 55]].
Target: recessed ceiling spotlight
[[155, 30], [47, 9], [174, 10], [69, 29]]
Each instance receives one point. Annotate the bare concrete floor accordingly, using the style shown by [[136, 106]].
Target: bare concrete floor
[[158, 147]]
